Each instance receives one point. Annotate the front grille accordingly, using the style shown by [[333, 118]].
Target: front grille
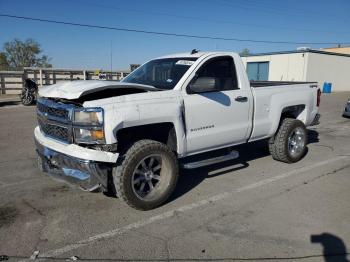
[[56, 112], [54, 131], [54, 119]]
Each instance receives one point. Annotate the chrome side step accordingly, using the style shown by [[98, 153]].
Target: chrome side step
[[206, 162]]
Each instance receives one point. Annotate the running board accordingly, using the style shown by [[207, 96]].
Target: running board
[[206, 162]]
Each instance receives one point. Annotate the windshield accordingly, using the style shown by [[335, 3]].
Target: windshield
[[161, 73]]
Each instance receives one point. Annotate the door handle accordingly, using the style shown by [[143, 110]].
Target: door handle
[[241, 98]]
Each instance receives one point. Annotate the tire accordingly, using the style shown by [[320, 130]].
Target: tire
[[132, 177], [27, 100], [289, 143]]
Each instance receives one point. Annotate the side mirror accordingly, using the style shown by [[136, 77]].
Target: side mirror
[[203, 84]]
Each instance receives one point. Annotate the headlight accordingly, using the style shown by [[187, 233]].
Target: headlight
[[88, 126], [88, 116], [89, 136]]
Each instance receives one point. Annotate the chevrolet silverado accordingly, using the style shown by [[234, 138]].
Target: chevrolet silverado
[[131, 137]]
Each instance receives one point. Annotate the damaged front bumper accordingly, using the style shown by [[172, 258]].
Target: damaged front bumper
[[86, 168]]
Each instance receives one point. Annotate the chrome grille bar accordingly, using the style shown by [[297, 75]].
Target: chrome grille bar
[[55, 119]]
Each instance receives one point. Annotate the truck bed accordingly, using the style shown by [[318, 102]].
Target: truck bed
[[276, 83], [272, 97]]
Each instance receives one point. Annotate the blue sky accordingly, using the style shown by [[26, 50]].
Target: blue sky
[[76, 47]]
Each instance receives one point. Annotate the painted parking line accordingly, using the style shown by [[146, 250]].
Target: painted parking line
[[10, 99], [14, 106], [171, 213], [22, 182], [17, 159]]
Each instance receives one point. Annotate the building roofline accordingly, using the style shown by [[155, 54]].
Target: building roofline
[[336, 47], [299, 51]]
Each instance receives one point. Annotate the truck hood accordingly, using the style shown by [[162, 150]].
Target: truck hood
[[79, 88]]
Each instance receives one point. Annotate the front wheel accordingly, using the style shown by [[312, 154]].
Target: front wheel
[[289, 143], [147, 175]]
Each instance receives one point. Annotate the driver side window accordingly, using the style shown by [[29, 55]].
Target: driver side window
[[223, 70]]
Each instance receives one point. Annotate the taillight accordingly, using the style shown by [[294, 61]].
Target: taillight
[[318, 97]]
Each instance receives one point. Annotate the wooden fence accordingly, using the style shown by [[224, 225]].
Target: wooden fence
[[11, 82]]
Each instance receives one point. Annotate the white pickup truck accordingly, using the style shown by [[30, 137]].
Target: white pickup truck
[[130, 137]]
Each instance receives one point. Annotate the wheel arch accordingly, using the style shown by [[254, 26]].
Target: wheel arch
[[164, 132], [293, 111]]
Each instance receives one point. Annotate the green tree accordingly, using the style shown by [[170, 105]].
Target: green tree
[[18, 54], [3, 62], [245, 52]]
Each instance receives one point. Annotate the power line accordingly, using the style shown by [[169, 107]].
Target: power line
[[280, 6], [152, 13], [274, 10], [169, 34]]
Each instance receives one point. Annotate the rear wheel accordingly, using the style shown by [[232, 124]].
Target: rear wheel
[[147, 175], [289, 143]]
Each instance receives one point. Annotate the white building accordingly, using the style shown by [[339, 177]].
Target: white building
[[301, 65]]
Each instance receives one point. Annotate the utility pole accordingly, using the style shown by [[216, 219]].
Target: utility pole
[[111, 59]]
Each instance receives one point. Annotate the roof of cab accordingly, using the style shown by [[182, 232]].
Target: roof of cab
[[195, 55], [189, 55]]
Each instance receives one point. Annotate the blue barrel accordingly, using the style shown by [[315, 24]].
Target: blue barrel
[[329, 87], [325, 87]]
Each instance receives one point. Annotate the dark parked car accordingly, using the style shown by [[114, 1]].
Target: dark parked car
[[347, 109]]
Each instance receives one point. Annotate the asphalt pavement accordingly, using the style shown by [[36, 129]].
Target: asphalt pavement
[[251, 208]]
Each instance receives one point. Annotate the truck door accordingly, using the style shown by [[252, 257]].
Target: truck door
[[218, 117]]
